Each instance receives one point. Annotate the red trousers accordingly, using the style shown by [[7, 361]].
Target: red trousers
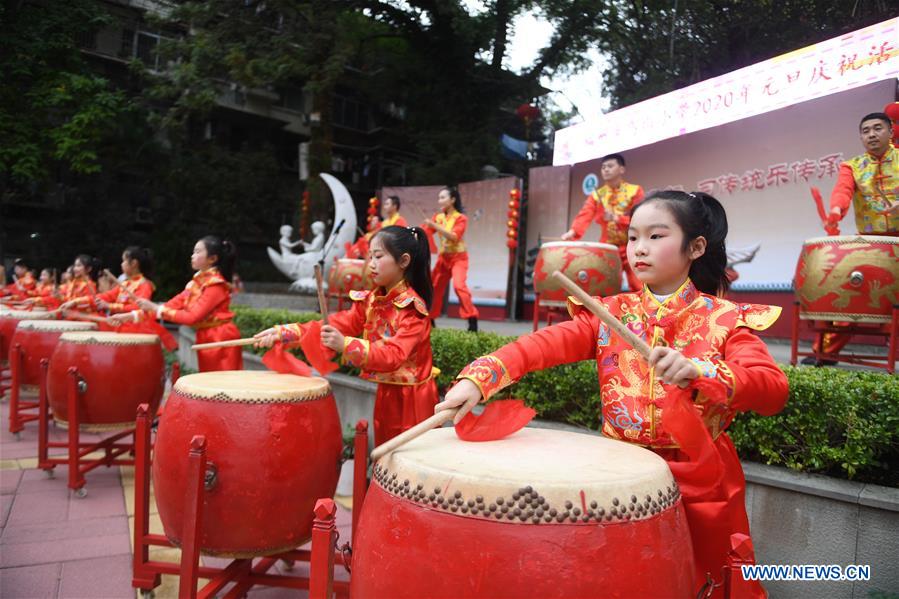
[[453, 266], [400, 407], [222, 358]]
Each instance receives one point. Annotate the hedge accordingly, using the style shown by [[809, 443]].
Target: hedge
[[836, 422]]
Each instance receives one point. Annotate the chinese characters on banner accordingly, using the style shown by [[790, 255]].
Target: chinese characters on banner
[[775, 175], [836, 65]]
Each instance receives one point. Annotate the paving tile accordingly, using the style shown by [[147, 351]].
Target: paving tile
[[6, 502], [57, 531], [51, 505], [45, 552], [31, 582], [9, 480], [96, 578], [101, 501]]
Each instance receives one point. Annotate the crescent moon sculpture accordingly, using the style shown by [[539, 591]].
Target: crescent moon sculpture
[[300, 267]]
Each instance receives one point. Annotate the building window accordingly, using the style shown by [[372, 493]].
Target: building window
[[142, 45], [350, 113]]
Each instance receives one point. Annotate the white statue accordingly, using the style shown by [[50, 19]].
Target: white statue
[[318, 242], [299, 267], [286, 244]]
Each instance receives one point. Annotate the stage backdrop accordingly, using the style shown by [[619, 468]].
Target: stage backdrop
[[760, 168], [486, 203]]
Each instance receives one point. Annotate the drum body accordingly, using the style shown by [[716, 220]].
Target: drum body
[[121, 371], [595, 267], [853, 278], [273, 448], [38, 339], [349, 275], [9, 320], [539, 514]]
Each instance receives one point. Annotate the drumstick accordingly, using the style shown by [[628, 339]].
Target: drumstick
[[230, 343], [419, 429], [320, 288], [603, 314], [83, 316], [120, 285]]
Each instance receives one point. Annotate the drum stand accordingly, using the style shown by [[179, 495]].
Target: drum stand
[[77, 451], [890, 330], [551, 309], [17, 405], [243, 572]]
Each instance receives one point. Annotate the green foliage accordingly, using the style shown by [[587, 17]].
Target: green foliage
[[53, 109], [836, 422]]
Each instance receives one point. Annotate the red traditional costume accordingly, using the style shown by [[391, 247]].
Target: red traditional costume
[[203, 305], [716, 335], [452, 262], [390, 221], [871, 185], [119, 302], [22, 288], [619, 202], [81, 291], [388, 336]]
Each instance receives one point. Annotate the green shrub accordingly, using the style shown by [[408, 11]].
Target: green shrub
[[836, 422]]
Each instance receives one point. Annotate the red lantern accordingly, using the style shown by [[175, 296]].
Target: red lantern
[[527, 112], [515, 193], [513, 204], [512, 233], [511, 244]]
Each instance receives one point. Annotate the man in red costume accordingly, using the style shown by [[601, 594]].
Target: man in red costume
[[870, 184], [609, 206]]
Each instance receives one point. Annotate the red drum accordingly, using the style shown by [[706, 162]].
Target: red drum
[[349, 275], [852, 278], [539, 514], [9, 319], [595, 267], [38, 339], [121, 371], [273, 445]]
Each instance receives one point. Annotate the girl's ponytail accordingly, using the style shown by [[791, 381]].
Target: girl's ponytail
[[226, 253]]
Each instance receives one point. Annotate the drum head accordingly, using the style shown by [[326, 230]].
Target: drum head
[[579, 244], [535, 470], [26, 315], [243, 386], [56, 326], [847, 239], [108, 338]]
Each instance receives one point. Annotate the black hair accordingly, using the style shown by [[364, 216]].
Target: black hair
[[226, 253], [91, 264], [20, 262], [878, 116], [144, 259], [454, 193], [413, 241], [395, 200], [699, 215], [616, 157]]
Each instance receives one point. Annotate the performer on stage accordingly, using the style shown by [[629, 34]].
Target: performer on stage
[[23, 285], [676, 247], [452, 259], [390, 210], [82, 288], [204, 303], [870, 182], [387, 332], [46, 294], [610, 206]]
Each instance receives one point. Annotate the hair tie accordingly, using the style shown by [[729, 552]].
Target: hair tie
[[692, 195], [413, 231]]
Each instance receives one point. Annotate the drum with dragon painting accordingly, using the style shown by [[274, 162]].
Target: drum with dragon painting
[[595, 267], [852, 278]]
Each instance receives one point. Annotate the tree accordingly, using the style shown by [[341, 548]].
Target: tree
[[53, 109], [656, 46]]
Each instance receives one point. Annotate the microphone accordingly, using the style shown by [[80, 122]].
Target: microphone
[[339, 226]]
